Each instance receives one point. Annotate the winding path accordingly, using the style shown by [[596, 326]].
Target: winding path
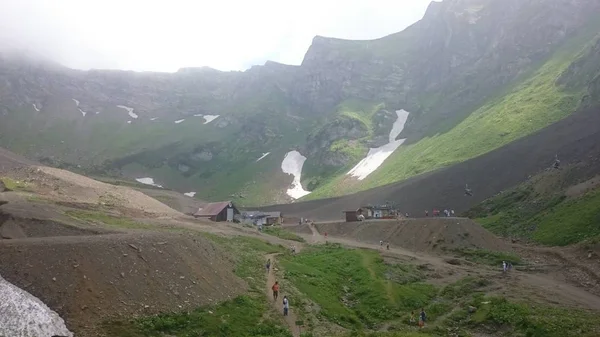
[[291, 318]]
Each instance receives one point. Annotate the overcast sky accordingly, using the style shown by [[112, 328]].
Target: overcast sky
[[165, 35]]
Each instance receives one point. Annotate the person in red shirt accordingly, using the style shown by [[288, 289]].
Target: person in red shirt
[[275, 289]]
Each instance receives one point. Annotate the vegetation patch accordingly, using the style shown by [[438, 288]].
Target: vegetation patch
[[487, 257], [111, 220], [282, 233], [14, 185], [242, 316], [493, 314], [351, 287], [248, 254]]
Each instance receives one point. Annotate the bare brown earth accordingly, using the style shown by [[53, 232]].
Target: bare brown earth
[[90, 272], [423, 235], [67, 187], [175, 200], [10, 161]]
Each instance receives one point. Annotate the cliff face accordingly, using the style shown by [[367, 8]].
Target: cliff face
[[440, 69], [457, 56]]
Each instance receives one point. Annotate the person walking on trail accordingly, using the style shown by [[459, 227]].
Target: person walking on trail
[[388, 246], [426, 213], [411, 319], [286, 305], [504, 266], [381, 244], [422, 318], [275, 289], [268, 265]]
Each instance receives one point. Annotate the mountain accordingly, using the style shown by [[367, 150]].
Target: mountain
[[525, 164], [470, 77]]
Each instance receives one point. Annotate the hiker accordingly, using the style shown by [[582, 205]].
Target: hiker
[[426, 213], [422, 318], [452, 212], [381, 244], [468, 191], [411, 319], [504, 266], [556, 163], [388, 246], [293, 249], [268, 265], [275, 289], [510, 266], [286, 306]]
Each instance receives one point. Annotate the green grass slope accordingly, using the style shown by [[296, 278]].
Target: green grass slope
[[524, 108], [368, 296], [540, 211]]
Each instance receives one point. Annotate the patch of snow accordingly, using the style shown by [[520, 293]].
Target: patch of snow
[[128, 122], [190, 194], [153, 118], [22, 314], [36, 108], [377, 156], [198, 115], [97, 112], [263, 155], [210, 118], [148, 181], [292, 164], [129, 111], [179, 121], [78, 108]]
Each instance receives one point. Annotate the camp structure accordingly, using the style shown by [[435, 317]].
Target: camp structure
[[262, 218], [353, 216], [385, 211]]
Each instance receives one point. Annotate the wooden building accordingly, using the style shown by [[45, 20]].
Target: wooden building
[[218, 211]]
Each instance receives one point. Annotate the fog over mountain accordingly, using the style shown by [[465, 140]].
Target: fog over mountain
[[165, 36]]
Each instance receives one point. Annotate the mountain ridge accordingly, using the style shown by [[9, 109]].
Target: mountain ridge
[[334, 106]]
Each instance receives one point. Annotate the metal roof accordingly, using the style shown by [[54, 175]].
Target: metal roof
[[212, 209], [259, 214]]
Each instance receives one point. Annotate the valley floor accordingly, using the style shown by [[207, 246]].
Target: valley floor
[[133, 269]]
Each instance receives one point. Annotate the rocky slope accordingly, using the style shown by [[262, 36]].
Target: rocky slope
[[205, 131]]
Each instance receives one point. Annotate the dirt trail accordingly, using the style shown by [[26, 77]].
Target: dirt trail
[[318, 238], [291, 319]]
